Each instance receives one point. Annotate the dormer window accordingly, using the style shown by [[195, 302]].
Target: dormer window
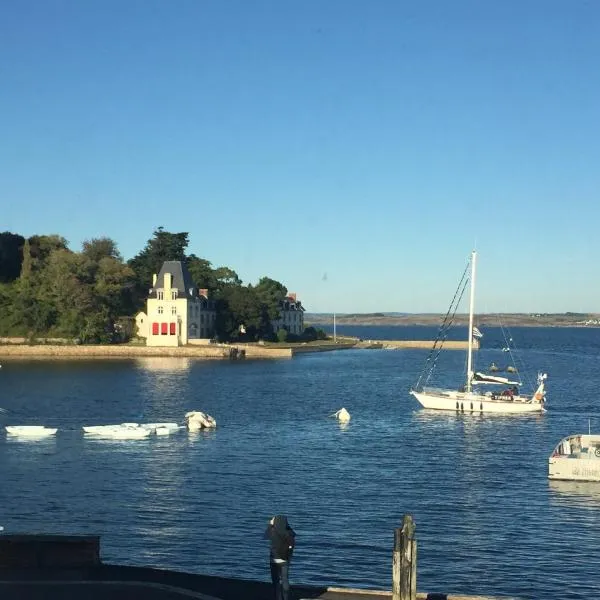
[[173, 294], [160, 295]]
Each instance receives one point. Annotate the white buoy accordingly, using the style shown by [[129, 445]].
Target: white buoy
[[197, 420], [342, 415]]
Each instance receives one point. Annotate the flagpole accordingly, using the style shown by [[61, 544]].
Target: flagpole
[[334, 333]]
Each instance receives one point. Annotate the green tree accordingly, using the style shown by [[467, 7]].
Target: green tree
[[98, 248], [161, 247], [202, 273], [11, 256]]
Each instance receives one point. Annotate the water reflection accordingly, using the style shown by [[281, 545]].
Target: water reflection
[[580, 494], [41, 443], [164, 363]]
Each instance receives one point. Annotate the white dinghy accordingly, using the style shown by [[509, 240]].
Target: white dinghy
[[30, 431], [124, 431], [161, 428], [197, 420], [342, 415]]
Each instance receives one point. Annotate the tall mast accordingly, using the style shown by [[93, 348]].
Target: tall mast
[[470, 333]]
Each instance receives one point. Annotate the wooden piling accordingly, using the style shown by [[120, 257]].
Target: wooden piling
[[404, 561]]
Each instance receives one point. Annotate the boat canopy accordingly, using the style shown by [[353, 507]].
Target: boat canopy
[[484, 378]]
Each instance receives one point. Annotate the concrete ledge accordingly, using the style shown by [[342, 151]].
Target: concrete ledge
[[49, 551]]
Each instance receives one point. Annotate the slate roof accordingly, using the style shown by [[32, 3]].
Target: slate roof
[[182, 280]]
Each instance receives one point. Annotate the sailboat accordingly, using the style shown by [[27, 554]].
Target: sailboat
[[472, 396]]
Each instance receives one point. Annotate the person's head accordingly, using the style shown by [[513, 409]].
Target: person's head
[[279, 522]]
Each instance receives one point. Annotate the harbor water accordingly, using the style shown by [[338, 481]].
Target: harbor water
[[488, 520]]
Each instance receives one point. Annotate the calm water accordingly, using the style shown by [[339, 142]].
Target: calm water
[[488, 520]]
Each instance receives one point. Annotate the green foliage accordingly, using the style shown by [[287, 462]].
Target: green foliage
[[282, 335], [271, 293], [309, 334], [11, 256], [88, 294], [161, 247]]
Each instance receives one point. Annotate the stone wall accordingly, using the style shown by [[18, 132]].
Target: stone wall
[[85, 352], [220, 351]]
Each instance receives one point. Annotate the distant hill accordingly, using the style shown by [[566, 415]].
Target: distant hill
[[509, 319]]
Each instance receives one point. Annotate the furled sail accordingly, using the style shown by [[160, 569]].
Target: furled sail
[[483, 378]]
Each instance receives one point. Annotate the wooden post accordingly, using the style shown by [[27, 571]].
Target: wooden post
[[404, 561]]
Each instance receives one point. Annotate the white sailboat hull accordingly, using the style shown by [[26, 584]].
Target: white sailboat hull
[[474, 403]]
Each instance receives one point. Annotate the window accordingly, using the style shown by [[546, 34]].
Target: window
[[160, 295], [154, 328], [173, 328], [164, 328], [173, 310], [173, 294], [159, 310]]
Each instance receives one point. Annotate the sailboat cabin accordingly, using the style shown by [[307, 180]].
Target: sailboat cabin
[[177, 312]]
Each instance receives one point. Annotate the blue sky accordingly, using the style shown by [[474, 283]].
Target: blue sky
[[377, 142]]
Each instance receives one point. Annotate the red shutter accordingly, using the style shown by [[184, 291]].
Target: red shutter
[[154, 328], [173, 327], [164, 328]]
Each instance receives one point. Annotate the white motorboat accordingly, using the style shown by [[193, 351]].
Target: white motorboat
[[470, 397], [36, 431], [576, 458]]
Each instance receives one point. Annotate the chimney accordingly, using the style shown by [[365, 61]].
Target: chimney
[[292, 296], [203, 292], [154, 280]]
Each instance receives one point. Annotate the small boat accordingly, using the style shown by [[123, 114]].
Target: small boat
[[197, 420], [30, 430], [469, 397], [576, 458], [161, 428], [124, 431]]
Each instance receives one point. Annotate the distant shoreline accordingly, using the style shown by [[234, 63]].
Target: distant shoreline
[[505, 320]]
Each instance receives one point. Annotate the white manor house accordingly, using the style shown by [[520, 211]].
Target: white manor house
[[177, 312]]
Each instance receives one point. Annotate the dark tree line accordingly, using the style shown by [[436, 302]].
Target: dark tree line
[[48, 290]]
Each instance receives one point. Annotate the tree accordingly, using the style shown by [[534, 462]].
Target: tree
[[11, 256], [42, 245], [271, 294], [202, 273], [98, 248], [161, 247]]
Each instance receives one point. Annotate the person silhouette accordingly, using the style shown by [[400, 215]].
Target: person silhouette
[[282, 540]]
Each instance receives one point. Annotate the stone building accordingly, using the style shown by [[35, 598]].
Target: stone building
[[291, 316]]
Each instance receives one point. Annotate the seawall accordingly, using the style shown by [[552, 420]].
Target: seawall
[[60, 352]]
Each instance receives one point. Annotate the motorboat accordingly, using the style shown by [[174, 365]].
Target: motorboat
[[32, 431], [576, 458]]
